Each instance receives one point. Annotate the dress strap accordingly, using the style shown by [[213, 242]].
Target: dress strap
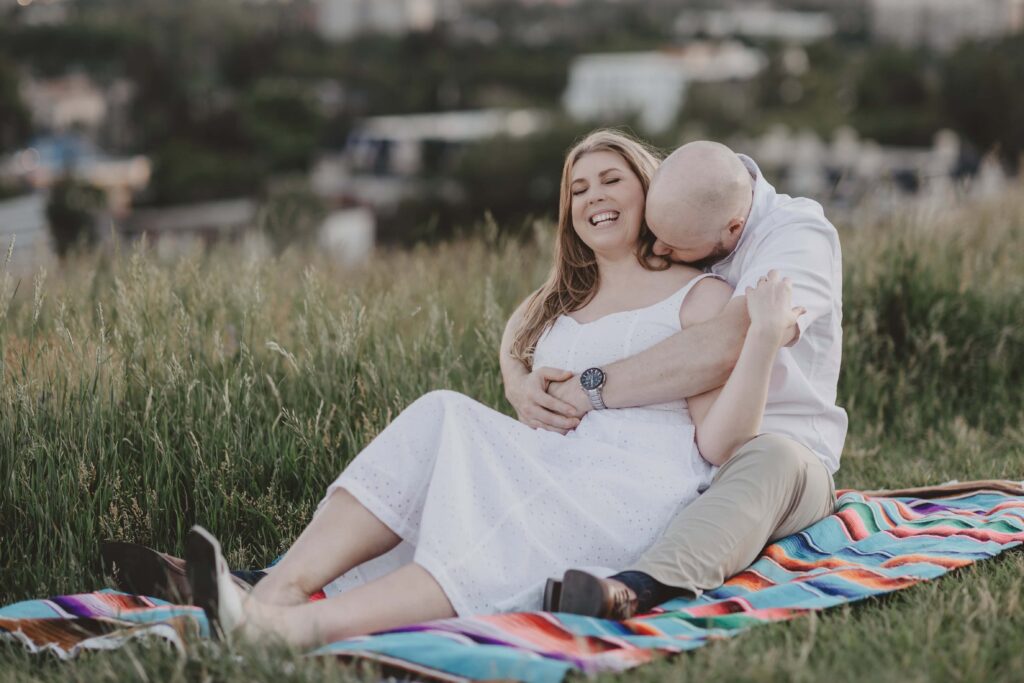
[[675, 302]]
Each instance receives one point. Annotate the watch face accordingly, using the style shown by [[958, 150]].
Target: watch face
[[592, 378]]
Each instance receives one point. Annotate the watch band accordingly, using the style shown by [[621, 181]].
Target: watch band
[[596, 398]]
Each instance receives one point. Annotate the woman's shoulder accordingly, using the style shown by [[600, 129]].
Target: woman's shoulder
[[705, 299]]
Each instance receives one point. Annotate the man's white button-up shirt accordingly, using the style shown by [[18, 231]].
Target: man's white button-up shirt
[[792, 235]]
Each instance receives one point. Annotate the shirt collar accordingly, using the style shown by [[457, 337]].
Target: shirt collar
[[757, 205]]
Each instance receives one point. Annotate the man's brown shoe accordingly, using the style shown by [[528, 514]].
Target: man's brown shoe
[[591, 596], [138, 569]]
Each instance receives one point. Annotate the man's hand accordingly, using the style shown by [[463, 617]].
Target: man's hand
[[569, 391], [536, 408]]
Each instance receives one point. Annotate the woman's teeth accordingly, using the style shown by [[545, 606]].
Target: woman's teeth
[[604, 217]]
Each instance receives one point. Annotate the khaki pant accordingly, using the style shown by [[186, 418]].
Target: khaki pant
[[771, 487]]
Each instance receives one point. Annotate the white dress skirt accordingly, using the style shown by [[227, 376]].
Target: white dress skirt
[[491, 508]]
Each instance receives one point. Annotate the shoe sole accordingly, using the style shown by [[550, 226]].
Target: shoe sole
[[201, 550], [553, 596], [581, 594]]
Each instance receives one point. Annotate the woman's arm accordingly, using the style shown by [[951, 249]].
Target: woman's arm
[[727, 418]]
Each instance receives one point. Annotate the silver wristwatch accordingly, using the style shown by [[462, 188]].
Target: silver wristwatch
[[592, 380]]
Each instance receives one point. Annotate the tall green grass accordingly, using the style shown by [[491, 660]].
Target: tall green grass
[[137, 398]]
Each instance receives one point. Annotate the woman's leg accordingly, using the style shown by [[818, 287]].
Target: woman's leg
[[408, 595], [342, 535]]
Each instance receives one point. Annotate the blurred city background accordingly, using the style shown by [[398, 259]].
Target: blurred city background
[[347, 124]]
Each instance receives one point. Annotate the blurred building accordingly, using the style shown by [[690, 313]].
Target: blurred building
[[759, 22], [388, 159], [409, 145], [847, 169], [943, 24], [652, 85], [346, 19]]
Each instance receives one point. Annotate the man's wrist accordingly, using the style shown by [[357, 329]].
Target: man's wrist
[[571, 392]]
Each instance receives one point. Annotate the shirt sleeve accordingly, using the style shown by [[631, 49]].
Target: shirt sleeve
[[806, 253]]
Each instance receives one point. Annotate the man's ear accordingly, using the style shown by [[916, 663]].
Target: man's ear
[[735, 226]]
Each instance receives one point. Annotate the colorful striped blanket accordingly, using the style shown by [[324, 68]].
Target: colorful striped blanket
[[875, 543]]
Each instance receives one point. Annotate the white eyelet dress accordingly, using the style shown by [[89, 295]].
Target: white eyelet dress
[[491, 507]]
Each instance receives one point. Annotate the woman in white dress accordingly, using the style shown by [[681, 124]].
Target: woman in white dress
[[457, 509]]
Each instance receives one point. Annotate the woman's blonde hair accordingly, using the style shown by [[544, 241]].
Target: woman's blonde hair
[[573, 280]]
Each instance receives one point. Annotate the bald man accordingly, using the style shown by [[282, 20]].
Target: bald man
[[712, 208]]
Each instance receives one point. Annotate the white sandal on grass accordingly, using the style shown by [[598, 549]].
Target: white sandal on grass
[[212, 586]]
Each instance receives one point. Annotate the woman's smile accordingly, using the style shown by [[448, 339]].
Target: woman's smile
[[604, 218]]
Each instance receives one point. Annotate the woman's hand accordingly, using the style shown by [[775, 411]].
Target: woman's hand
[[536, 408], [770, 306]]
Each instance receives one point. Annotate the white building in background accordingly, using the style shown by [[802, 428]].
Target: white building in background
[[942, 24], [850, 170], [652, 85], [763, 22], [401, 145], [388, 159], [346, 19]]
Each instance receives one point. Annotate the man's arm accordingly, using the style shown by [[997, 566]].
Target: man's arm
[[691, 362], [808, 254], [527, 391]]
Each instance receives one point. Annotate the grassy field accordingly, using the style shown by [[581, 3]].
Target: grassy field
[[138, 398]]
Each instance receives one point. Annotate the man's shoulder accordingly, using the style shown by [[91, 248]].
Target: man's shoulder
[[784, 210], [795, 218]]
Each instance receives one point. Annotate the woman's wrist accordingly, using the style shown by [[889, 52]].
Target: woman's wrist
[[764, 333]]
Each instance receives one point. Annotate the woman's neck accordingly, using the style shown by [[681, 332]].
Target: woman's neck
[[618, 270]]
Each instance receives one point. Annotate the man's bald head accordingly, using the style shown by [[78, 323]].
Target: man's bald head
[[699, 200]]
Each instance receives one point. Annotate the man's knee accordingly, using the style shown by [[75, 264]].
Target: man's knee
[[773, 455]]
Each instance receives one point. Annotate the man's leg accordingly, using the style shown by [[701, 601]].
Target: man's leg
[[771, 487]]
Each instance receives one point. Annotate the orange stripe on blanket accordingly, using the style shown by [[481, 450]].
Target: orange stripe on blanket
[[947, 562], [778, 554], [945, 531], [867, 578], [543, 633], [750, 580], [853, 524]]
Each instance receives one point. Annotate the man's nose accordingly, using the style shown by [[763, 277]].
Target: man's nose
[[660, 248]]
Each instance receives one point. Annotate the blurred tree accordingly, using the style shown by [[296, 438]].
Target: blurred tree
[[53, 49], [71, 212], [983, 95], [280, 118], [185, 172], [897, 97], [507, 180], [15, 124]]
